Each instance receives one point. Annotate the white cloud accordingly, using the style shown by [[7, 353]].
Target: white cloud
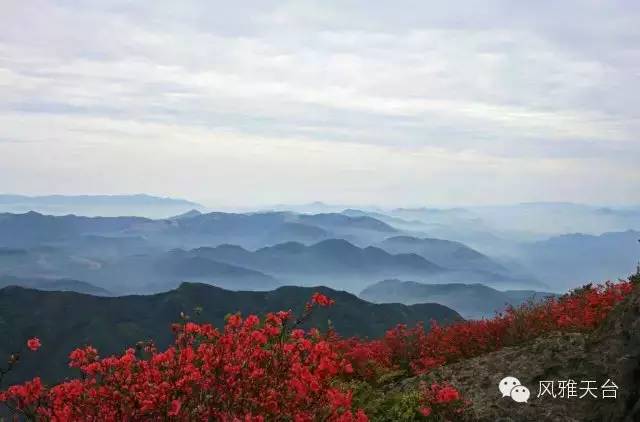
[[376, 104]]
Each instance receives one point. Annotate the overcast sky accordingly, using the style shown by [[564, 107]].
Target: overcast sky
[[389, 103]]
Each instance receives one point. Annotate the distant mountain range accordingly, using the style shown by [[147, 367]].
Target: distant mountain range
[[127, 264], [254, 230], [470, 300], [554, 218], [263, 250], [194, 229], [573, 258], [529, 219], [519, 222], [333, 262], [394, 221], [132, 254], [445, 253], [97, 205], [138, 273], [498, 230], [35, 229], [61, 285], [64, 320], [135, 254]]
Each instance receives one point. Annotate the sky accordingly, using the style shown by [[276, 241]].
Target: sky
[[399, 103]]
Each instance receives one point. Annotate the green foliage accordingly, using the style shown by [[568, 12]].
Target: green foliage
[[392, 376], [385, 407]]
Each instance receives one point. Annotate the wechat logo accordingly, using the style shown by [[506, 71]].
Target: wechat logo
[[511, 387]]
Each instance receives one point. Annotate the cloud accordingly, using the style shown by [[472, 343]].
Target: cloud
[[404, 102]]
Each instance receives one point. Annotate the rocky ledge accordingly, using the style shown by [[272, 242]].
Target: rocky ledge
[[610, 352]]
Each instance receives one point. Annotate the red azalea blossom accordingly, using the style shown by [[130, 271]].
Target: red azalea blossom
[[447, 394], [175, 408], [250, 370], [420, 350], [33, 344], [321, 300], [425, 411], [442, 400], [261, 369]]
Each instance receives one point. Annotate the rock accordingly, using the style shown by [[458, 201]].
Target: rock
[[610, 352], [616, 346]]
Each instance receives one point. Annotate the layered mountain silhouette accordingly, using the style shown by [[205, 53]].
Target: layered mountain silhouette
[[333, 220], [470, 300], [465, 264], [97, 205], [193, 229], [62, 285], [65, 320], [394, 221], [32, 228], [333, 262], [255, 230], [122, 273], [445, 253], [563, 260], [131, 263], [260, 251]]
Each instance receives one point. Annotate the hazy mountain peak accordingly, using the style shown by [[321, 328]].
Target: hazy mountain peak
[[404, 239], [334, 244], [98, 205], [289, 247], [225, 247], [471, 300], [191, 213]]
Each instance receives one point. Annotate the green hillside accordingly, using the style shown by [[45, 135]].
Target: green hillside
[[66, 320]]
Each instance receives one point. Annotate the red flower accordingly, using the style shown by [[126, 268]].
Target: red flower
[[264, 369], [447, 394], [175, 408], [321, 300], [33, 344], [442, 400]]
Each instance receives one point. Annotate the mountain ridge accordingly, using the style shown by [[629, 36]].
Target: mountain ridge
[[66, 320], [470, 300]]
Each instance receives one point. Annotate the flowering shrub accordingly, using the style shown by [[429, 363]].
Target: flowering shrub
[[252, 370], [441, 400], [418, 350], [26, 393], [255, 370]]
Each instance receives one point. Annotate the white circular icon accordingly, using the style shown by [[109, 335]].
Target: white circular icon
[[520, 393], [506, 384], [511, 387]]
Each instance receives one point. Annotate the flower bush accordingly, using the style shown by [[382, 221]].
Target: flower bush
[[251, 370], [441, 400], [269, 369], [418, 350]]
